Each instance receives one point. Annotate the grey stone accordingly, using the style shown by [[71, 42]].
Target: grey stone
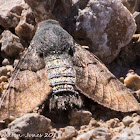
[[30, 123], [8, 134], [107, 26]]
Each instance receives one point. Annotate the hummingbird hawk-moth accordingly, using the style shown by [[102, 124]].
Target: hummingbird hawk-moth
[[56, 65]]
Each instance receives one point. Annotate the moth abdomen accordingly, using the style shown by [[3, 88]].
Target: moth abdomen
[[61, 73]]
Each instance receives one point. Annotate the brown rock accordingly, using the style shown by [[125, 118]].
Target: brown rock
[[10, 12], [80, 117], [11, 45], [41, 9], [67, 133], [3, 79], [62, 10], [132, 80], [25, 29]]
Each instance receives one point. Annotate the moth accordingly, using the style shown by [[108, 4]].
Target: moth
[[56, 67]]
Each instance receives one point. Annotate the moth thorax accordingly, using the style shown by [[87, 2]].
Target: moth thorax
[[61, 73]]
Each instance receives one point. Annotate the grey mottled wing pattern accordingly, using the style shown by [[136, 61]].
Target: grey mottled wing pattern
[[28, 87], [94, 80]]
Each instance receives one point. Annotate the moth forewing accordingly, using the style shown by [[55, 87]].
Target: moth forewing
[[95, 81], [28, 86]]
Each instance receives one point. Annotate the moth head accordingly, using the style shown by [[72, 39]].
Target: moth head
[[53, 39]]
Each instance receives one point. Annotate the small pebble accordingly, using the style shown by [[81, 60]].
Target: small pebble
[[94, 123], [127, 120], [3, 79], [9, 74], [9, 68], [3, 71], [134, 114], [132, 124], [4, 85], [5, 62], [136, 119], [122, 79], [132, 80], [114, 123], [83, 127]]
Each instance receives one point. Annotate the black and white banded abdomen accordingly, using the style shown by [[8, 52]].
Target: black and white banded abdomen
[[62, 76]]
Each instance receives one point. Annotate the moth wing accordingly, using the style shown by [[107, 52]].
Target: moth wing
[[28, 86], [95, 81]]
